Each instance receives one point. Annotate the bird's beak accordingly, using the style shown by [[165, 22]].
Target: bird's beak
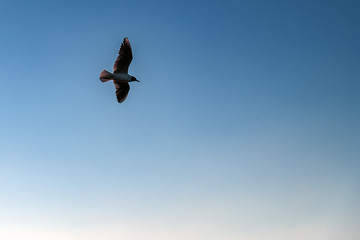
[[137, 80]]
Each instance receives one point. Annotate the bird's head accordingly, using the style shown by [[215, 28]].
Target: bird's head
[[133, 79]]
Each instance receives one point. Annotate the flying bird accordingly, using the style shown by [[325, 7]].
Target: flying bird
[[120, 75]]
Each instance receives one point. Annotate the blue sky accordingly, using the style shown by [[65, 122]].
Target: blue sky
[[245, 124]]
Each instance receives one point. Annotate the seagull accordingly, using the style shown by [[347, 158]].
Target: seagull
[[120, 75]]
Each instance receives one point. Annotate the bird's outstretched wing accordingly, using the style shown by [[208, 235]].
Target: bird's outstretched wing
[[122, 90], [124, 59]]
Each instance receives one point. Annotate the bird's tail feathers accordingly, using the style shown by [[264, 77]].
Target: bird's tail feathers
[[105, 76]]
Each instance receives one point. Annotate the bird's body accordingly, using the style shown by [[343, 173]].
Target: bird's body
[[120, 75]]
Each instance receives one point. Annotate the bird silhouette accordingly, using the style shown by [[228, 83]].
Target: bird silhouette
[[120, 75]]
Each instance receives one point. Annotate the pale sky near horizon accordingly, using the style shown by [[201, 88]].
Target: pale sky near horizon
[[245, 124]]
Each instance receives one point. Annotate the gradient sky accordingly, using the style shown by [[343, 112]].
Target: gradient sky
[[245, 125]]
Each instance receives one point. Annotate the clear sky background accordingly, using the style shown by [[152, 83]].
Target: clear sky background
[[245, 124]]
